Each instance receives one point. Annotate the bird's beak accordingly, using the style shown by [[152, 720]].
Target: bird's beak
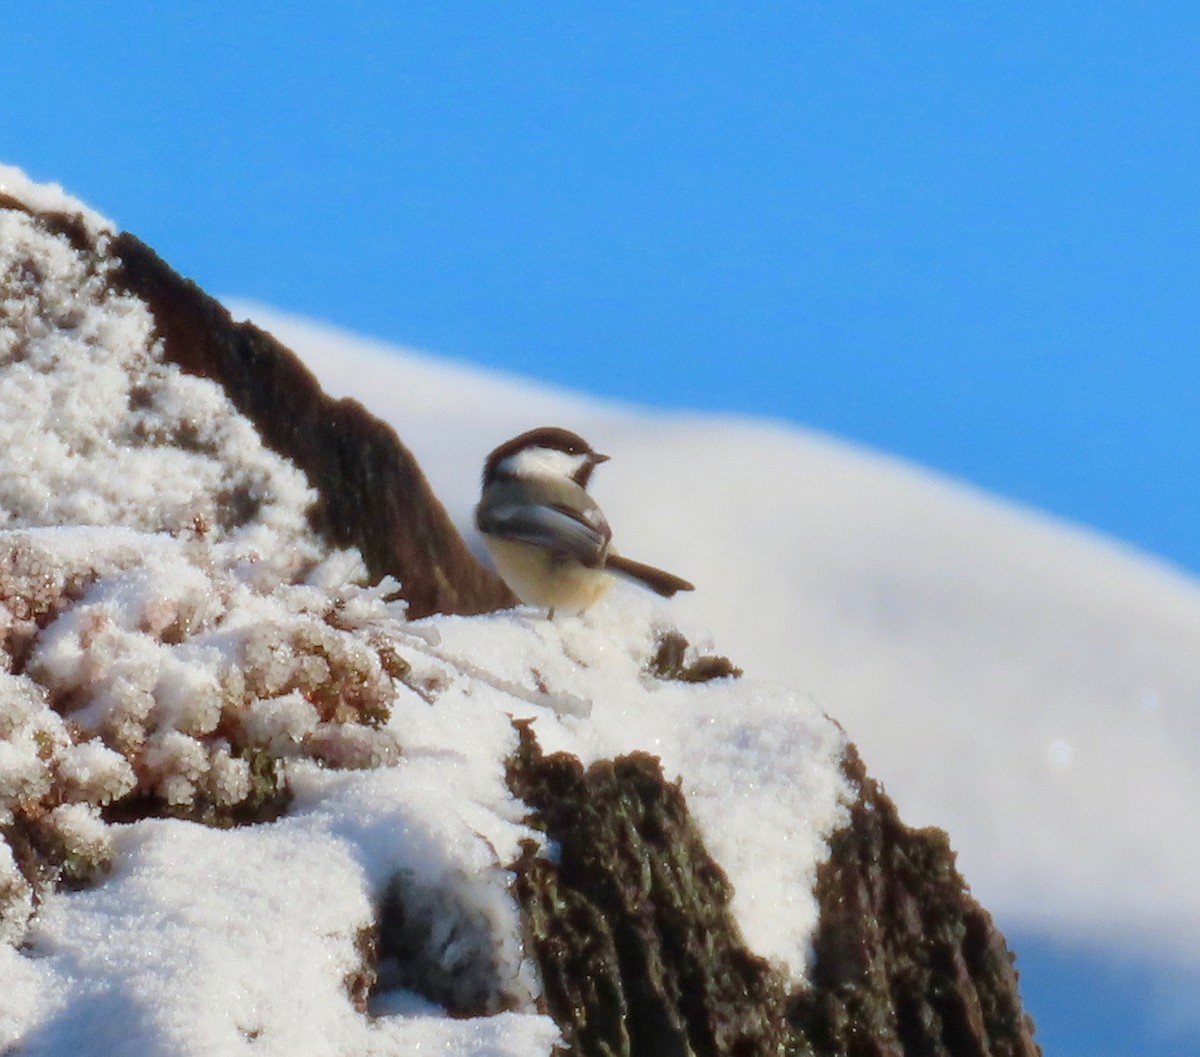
[[597, 458]]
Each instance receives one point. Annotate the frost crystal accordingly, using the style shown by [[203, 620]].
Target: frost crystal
[[97, 429], [171, 628]]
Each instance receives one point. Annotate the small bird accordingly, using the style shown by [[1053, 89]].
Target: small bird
[[547, 537]]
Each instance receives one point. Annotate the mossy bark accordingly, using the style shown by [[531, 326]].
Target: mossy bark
[[629, 921], [907, 962]]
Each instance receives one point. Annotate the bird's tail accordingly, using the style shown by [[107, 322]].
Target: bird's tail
[[660, 582]]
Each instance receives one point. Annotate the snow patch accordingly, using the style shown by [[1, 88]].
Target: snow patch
[[759, 765]]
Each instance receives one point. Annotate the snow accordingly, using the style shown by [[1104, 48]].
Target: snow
[[50, 198], [757, 765], [96, 430], [1024, 683], [222, 942], [216, 943], [168, 621]]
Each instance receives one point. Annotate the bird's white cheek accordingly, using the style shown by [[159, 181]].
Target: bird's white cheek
[[542, 462]]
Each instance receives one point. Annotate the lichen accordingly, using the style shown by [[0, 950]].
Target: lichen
[[671, 661]]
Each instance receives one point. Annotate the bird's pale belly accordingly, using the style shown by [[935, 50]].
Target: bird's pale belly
[[540, 578]]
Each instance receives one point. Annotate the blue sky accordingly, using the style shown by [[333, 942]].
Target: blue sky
[[966, 234]]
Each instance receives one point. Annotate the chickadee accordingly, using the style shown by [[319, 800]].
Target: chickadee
[[548, 538]]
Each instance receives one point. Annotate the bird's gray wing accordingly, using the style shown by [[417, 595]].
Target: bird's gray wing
[[579, 534]]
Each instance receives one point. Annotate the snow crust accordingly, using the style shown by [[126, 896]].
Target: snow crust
[[168, 622]]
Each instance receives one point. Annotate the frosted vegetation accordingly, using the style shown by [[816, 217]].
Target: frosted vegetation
[[221, 749]]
